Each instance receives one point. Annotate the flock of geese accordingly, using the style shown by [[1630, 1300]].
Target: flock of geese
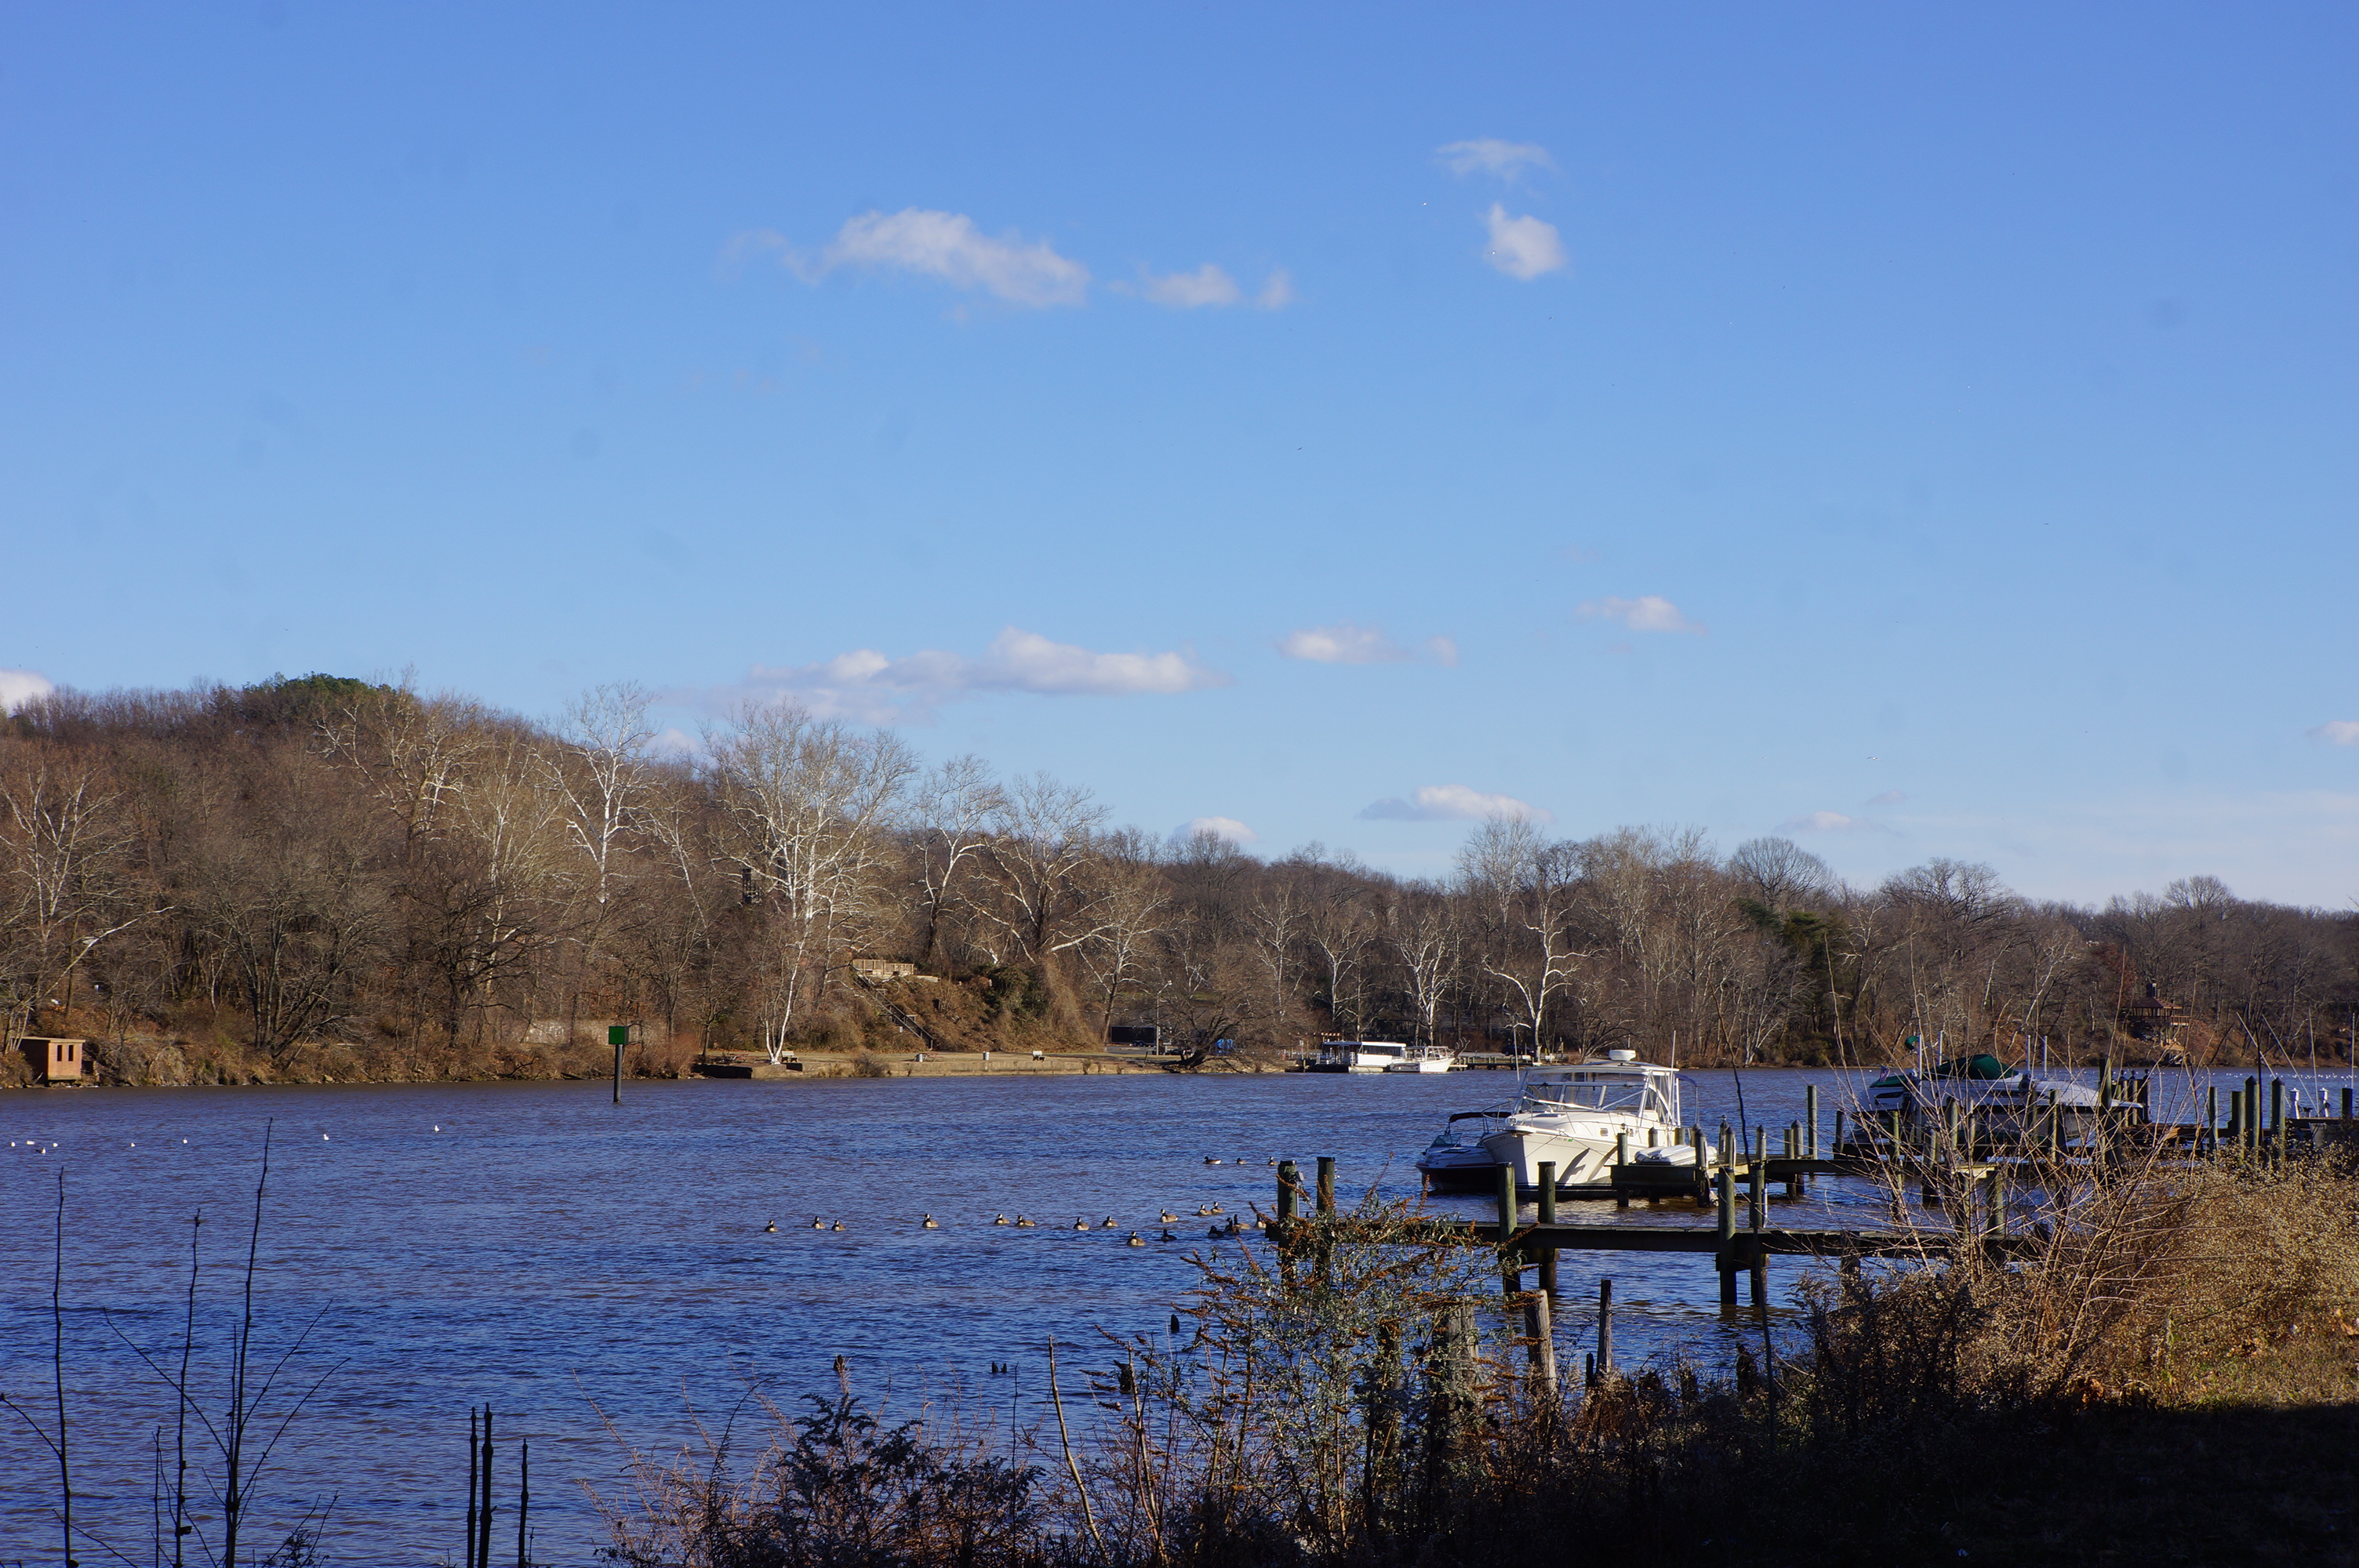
[[1229, 1226]]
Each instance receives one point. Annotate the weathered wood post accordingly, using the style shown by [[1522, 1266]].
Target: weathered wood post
[[2277, 1120], [1760, 1271], [1548, 1217], [1540, 1329], [1759, 1194], [2346, 1104], [617, 1035], [2210, 1141], [1810, 1111], [1834, 1149], [1326, 1186], [1511, 1267], [1621, 1172], [484, 1512], [1703, 1170], [474, 1471], [1726, 1258], [1605, 1328], [2252, 1140], [1288, 1185]]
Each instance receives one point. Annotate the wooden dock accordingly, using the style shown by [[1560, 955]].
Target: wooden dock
[[1978, 1207]]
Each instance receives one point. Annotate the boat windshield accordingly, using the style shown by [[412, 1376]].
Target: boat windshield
[[1599, 1091]]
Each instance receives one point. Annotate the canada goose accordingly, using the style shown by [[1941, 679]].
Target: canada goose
[[1167, 1235], [1136, 1240], [1213, 1232], [1024, 1224], [837, 1225], [999, 1219], [771, 1228], [1109, 1224], [1273, 1162], [818, 1224], [1210, 1160], [930, 1223], [1170, 1218], [1080, 1224]]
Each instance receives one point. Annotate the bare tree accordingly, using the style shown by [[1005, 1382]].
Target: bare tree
[[1043, 839], [1524, 883], [955, 809], [806, 809]]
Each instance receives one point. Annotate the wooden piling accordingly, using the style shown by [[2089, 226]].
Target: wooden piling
[[1539, 1328], [1288, 1185], [484, 1513], [1548, 1217], [1759, 1195], [524, 1500], [2210, 1141], [1760, 1271], [1605, 1328], [1621, 1159], [2277, 1120], [1810, 1115], [1727, 1183], [1505, 1191], [2251, 1139], [474, 1470], [2346, 1104], [1327, 1184]]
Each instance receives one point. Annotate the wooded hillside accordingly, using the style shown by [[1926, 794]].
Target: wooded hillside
[[322, 878]]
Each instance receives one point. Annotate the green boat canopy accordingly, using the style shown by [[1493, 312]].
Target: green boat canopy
[[1981, 1064]]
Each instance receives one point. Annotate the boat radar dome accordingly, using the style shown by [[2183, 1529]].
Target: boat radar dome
[[1621, 1055]]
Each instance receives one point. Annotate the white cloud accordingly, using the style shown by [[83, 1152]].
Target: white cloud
[[1341, 643], [1523, 247], [1346, 643], [1228, 827], [1491, 155], [1649, 612], [19, 687], [1453, 802], [1207, 285], [878, 689], [946, 246], [1829, 822], [1889, 798], [2341, 731]]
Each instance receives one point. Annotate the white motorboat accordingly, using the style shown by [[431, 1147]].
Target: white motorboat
[[2008, 1102], [1425, 1059], [1360, 1056], [1577, 1116]]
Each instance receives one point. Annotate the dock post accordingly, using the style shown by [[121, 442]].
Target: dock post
[[1511, 1268], [1811, 1110], [2346, 1104], [1760, 1276], [2211, 1139], [2277, 1120], [1548, 1217], [1539, 1328], [1703, 1169], [1621, 1159], [1726, 1182], [1834, 1149], [2251, 1119], [1327, 1186], [1760, 1173], [2236, 1130], [1605, 1328], [1288, 1185]]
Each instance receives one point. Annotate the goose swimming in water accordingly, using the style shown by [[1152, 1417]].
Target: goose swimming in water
[[818, 1224], [837, 1225], [1109, 1224], [1210, 1160], [999, 1219], [1080, 1224], [1136, 1240], [1170, 1218], [771, 1228], [1024, 1224], [930, 1223]]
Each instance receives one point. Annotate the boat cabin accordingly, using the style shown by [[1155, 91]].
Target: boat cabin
[[1621, 1082]]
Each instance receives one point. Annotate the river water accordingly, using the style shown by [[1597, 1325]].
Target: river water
[[533, 1246]]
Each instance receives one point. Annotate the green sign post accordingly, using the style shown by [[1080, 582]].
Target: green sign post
[[618, 1035]]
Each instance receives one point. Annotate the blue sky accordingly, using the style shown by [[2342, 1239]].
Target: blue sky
[[1925, 430]]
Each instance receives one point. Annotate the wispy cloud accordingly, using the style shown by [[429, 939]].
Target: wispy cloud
[[1524, 247], [944, 245], [1228, 827], [19, 687], [1829, 822], [1453, 802], [1207, 285], [2341, 731], [1649, 612], [1346, 643], [878, 689], [1491, 155], [1889, 798]]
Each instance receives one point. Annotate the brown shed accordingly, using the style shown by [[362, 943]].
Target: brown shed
[[53, 1060]]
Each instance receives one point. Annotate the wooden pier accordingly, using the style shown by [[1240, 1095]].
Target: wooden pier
[[1979, 1207]]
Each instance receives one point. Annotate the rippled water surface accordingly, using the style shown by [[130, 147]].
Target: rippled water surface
[[536, 1247]]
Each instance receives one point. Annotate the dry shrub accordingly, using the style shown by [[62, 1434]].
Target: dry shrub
[[835, 1488], [867, 1064]]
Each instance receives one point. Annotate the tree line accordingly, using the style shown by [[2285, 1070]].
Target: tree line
[[325, 877]]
